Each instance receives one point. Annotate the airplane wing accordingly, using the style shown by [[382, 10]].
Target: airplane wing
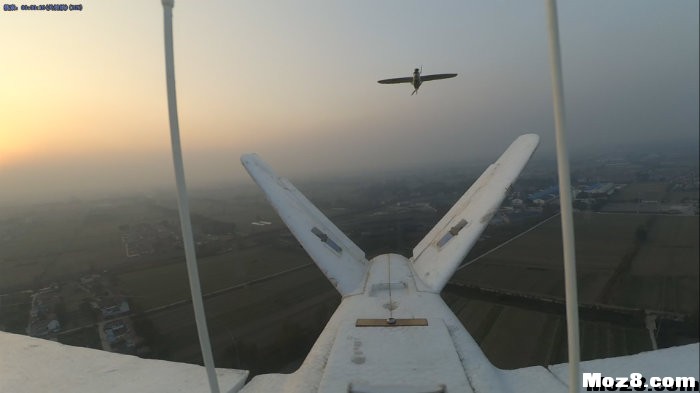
[[340, 260], [676, 362], [441, 251], [396, 80], [29, 365], [433, 77]]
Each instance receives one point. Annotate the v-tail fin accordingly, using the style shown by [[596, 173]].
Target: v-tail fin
[[340, 260], [441, 251]]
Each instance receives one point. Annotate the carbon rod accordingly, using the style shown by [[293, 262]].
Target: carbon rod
[[567, 219], [182, 201]]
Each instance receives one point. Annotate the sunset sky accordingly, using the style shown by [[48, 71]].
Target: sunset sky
[[83, 102]]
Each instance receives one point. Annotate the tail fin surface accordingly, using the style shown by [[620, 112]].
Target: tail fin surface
[[340, 260], [441, 251]]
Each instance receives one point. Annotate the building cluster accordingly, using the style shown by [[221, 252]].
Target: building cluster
[[148, 239], [582, 192], [113, 314], [689, 181], [43, 315], [100, 302], [117, 334]]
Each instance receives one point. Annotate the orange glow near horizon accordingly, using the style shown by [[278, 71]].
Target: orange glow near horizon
[[69, 89], [84, 92]]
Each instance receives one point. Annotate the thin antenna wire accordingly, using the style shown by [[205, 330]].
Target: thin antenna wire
[[567, 220], [182, 202]]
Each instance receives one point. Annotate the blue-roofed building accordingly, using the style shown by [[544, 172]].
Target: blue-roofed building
[[546, 195], [599, 189]]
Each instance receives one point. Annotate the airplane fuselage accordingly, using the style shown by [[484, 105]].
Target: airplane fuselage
[[359, 348], [416, 79]]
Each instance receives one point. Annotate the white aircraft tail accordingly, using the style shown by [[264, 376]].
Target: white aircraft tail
[[441, 251], [340, 260], [434, 259]]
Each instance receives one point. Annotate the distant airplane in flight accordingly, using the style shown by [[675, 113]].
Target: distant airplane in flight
[[416, 80]]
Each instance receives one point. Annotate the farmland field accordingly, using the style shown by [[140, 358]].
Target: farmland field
[[664, 273], [615, 264], [254, 320], [266, 321], [534, 264], [64, 241], [512, 337], [160, 285], [641, 191]]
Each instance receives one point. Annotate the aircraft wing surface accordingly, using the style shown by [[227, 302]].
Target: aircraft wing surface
[[433, 77], [441, 251], [675, 362], [32, 365], [29, 365], [396, 80], [340, 260]]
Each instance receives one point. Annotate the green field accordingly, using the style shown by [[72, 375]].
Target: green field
[[241, 209], [261, 326], [63, 241], [88, 338], [660, 273], [641, 191], [683, 196], [14, 312], [664, 273], [157, 286], [512, 337], [534, 263]]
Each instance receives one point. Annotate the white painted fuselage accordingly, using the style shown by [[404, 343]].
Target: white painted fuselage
[[348, 357]]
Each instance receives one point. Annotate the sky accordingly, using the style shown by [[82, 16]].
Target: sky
[[83, 105]]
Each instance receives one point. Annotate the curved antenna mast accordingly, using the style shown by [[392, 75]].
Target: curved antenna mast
[[567, 219], [182, 201]]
